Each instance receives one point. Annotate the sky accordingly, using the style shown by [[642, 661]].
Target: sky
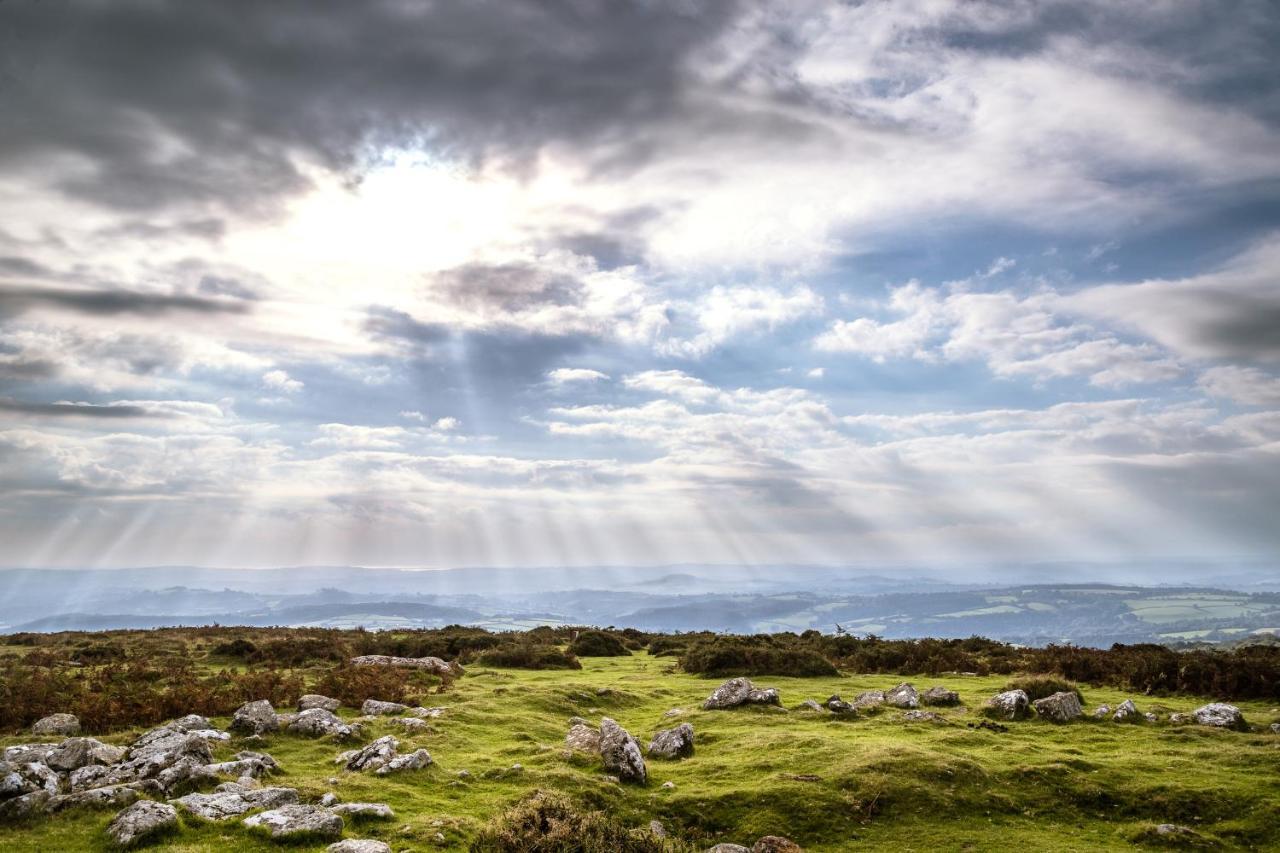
[[587, 282]]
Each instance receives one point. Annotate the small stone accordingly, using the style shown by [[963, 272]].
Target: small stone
[[1126, 712], [583, 738], [373, 756], [656, 829], [810, 705], [674, 712], [377, 708], [329, 799], [359, 845], [918, 716], [939, 696], [673, 743], [415, 760], [57, 724], [371, 810], [297, 820], [776, 844], [142, 819], [318, 722], [668, 786], [1102, 712]]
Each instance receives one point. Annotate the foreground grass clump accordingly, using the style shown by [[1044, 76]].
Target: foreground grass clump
[[547, 822]]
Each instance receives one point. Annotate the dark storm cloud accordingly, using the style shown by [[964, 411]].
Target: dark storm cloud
[[72, 410], [390, 324], [205, 100], [24, 267], [508, 287], [105, 303]]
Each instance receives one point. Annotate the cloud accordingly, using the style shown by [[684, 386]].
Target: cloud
[[106, 303], [569, 375], [74, 410], [1247, 385], [279, 380]]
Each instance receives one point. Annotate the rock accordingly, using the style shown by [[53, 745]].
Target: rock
[[89, 776], [27, 804], [1179, 719], [192, 722], [112, 795], [728, 848], [329, 800], [255, 718], [939, 696], [359, 845], [412, 724], [673, 712], [1009, 705], [1102, 712], [295, 821], [809, 705], [143, 819], [583, 738], [1126, 712], [1150, 717], [902, 696], [427, 713], [317, 722], [25, 753], [430, 664], [918, 716], [869, 699], [1275, 728], [315, 700], [415, 760], [838, 706], [656, 829], [672, 743], [229, 804], [78, 752], [740, 691], [57, 724], [668, 786], [30, 777], [377, 708], [374, 755], [620, 753], [1061, 707], [1173, 831], [767, 696], [1221, 715], [373, 810], [167, 740], [776, 844], [267, 761]]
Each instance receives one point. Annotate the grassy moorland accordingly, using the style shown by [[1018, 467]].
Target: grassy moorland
[[830, 783]]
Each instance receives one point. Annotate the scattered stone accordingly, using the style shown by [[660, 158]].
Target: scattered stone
[[112, 795], [674, 712], [902, 696], [192, 722], [25, 753], [430, 664], [1126, 712], [1150, 717], [255, 718], [359, 845], [377, 708], [267, 761], [1179, 719], [25, 805], [1275, 728], [412, 724], [295, 821], [1009, 705], [329, 799], [1062, 707], [673, 743], [583, 737], [939, 696], [371, 810], [315, 700], [656, 829], [415, 760], [318, 722], [767, 696], [740, 691], [1176, 832], [621, 753], [918, 716], [426, 713], [228, 804], [463, 774], [57, 724], [869, 699], [1220, 715], [1102, 712], [143, 819], [776, 844], [728, 848], [838, 706], [810, 705], [668, 786], [373, 756], [77, 752]]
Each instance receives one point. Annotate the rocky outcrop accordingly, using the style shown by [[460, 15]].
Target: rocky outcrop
[[1127, 712], [1061, 707], [144, 819], [378, 708], [74, 753], [620, 753], [740, 691], [298, 821], [1009, 705], [315, 700], [672, 743], [902, 696], [57, 724], [430, 664], [255, 718], [318, 722], [1220, 715], [224, 805], [583, 737], [939, 696], [415, 760], [110, 795], [369, 810], [373, 755]]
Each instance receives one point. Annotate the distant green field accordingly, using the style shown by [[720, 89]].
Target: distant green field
[[881, 783]]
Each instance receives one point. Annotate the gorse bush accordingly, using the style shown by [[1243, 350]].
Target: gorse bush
[[528, 656], [599, 644], [1040, 686], [732, 656], [550, 823], [351, 685]]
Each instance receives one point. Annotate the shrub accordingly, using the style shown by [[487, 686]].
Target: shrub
[[550, 823], [1040, 686], [239, 648], [598, 644], [528, 656], [732, 656], [351, 685], [667, 647]]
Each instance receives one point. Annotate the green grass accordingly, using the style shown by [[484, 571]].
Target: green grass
[[882, 783]]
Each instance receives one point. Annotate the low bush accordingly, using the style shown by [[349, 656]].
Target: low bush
[[1040, 686], [528, 656], [598, 644], [548, 822], [729, 656], [351, 685]]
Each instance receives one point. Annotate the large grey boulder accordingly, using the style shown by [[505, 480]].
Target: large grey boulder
[[359, 845], [255, 718], [902, 696], [430, 664], [938, 695], [1127, 712], [19, 780], [373, 810], [111, 795], [315, 700], [583, 738], [740, 691], [225, 805], [378, 708], [170, 739], [415, 760], [318, 722], [764, 696], [1061, 707], [1009, 705], [74, 753], [373, 755], [25, 753], [869, 699], [27, 804], [298, 821], [620, 753], [57, 724], [672, 743], [1220, 715], [143, 819]]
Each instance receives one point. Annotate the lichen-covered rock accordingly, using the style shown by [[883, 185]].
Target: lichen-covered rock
[[192, 722], [318, 722], [728, 848], [938, 695], [298, 821], [776, 844], [902, 696], [620, 753], [1062, 707], [430, 664], [255, 718], [359, 845], [143, 819], [27, 804], [731, 694], [672, 743], [315, 700], [1009, 705], [372, 810], [74, 753], [378, 708], [810, 705], [112, 795], [1127, 712], [373, 755], [583, 738], [412, 724], [415, 760], [1275, 728], [1102, 712], [228, 804], [426, 713], [57, 724], [869, 699], [1221, 715], [917, 716], [25, 753]]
